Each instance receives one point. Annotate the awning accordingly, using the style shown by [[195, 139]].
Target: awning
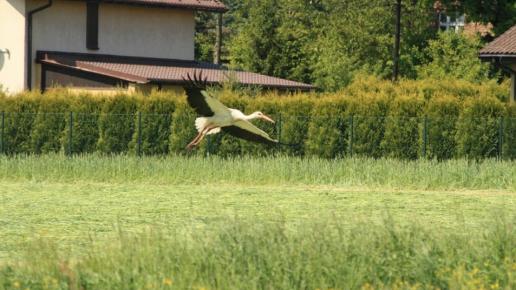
[[159, 71]]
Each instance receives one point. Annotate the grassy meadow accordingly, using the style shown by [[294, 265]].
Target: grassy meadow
[[178, 222]]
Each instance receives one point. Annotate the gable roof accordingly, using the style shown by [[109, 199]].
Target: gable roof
[[204, 5], [162, 71], [504, 44]]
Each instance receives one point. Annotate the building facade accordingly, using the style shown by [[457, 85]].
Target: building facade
[[106, 45]]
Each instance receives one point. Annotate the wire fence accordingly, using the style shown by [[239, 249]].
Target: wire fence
[[143, 133]]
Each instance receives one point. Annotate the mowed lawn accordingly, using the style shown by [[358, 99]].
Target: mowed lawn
[[80, 203], [69, 212]]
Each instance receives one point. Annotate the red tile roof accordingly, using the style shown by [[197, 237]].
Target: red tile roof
[[205, 5], [152, 70], [504, 44]]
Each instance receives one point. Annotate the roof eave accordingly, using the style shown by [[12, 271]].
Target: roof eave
[[496, 55], [283, 87], [170, 5]]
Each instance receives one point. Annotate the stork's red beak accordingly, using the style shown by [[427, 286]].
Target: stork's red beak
[[267, 118]]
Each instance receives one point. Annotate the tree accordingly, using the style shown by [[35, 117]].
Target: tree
[[453, 55]]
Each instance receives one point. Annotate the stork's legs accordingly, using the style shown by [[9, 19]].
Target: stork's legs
[[192, 144], [199, 137]]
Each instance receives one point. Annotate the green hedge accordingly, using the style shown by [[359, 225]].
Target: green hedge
[[370, 119]]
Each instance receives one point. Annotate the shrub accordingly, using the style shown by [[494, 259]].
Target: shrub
[[463, 119], [156, 119], [509, 133], [293, 121], [328, 130], [116, 123], [49, 122], [402, 127], [478, 128], [182, 129], [369, 113], [441, 115], [19, 115], [82, 124]]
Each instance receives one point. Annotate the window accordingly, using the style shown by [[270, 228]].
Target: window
[[92, 25]]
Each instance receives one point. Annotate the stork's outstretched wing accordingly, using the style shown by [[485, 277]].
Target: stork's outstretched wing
[[199, 99], [247, 131]]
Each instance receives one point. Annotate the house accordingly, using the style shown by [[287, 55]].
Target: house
[[502, 53], [108, 45]]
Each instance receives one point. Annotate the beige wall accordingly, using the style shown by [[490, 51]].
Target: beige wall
[[123, 30], [12, 39]]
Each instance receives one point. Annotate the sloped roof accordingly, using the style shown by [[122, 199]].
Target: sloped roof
[[205, 5], [152, 70], [504, 44]]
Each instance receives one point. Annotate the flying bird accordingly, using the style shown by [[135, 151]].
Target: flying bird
[[215, 116]]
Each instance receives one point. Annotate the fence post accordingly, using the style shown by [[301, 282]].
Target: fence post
[[139, 144], [425, 135], [70, 128], [351, 135], [2, 131], [279, 128], [500, 138], [208, 145]]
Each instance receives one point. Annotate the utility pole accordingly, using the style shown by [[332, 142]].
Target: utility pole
[[396, 52], [218, 41]]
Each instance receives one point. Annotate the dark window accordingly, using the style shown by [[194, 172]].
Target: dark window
[[92, 25]]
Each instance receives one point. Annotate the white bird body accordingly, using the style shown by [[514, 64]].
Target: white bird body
[[217, 117], [223, 118]]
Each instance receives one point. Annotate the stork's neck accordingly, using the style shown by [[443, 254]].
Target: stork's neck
[[252, 116]]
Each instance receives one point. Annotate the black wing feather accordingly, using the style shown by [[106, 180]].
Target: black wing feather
[[194, 96], [246, 135]]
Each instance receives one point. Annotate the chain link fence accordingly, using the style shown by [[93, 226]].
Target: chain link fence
[[158, 134]]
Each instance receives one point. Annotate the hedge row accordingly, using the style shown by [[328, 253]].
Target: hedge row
[[373, 122]]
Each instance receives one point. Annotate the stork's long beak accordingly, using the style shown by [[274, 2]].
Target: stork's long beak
[[267, 118]]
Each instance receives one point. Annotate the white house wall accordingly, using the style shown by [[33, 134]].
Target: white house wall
[[123, 30], [12, 45]]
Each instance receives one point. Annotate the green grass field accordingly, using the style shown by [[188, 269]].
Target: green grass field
[[98, 222]]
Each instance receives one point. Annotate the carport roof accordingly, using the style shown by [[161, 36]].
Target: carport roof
[[162, 71]]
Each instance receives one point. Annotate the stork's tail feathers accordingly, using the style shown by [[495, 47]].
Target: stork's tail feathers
[[200, 124]]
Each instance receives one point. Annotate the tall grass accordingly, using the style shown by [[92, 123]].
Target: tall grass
[[240, 255], [351, 172]]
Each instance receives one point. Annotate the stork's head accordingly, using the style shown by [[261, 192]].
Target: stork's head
[[262, 116]]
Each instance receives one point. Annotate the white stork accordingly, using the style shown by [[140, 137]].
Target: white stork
[[216, 117]]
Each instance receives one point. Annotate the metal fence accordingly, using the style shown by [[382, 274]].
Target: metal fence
[[151, 134]]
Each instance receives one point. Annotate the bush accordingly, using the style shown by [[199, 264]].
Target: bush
[[401, 137], [49, 123], [293, 122], [463, 119], [441, 115], [182, 129], [478, 128], [116, 124], [369, 113], [19, 115], [156, 119], [328, 133], [509, 133]]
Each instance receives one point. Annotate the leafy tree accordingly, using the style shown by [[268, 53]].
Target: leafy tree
[[453, 55]]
